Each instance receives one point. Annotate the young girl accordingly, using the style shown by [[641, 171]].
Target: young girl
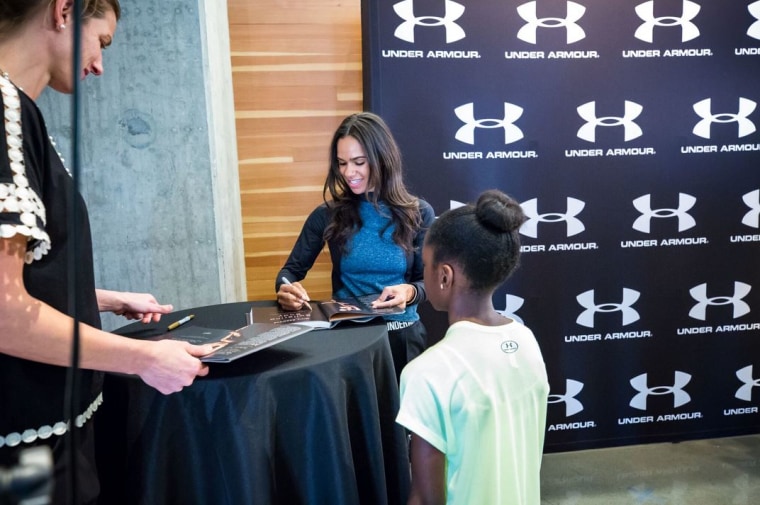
[[374, 228], [476, 401]]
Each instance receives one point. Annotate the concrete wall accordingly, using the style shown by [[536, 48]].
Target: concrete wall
[[158, 156]]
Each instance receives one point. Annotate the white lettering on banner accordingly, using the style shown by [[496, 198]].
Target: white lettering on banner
[[457, 55], [698, 149], [747, 51], [572, 426], [745, 238], [668, 53], [618, 151], [463, 155], [684, 241], [679, 417], [684, 416], [642, 53], [570, 55], [628, 334], [532, 248], [401, 54], [726, 328], [511, 154], [524, 55], [575, 246], [598, 337], [579, 153], [638, 243], [695, 330], [636, 420], [666, 242], [631, 151], [687, 52], [726, 148], [737, 327], [740, 411], [734, 148], [454, 55], [583, 338]]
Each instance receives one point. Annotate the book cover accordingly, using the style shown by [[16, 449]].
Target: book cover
[[325, 314], [230, 345]]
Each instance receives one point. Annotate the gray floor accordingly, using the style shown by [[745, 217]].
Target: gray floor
[[722, 471]]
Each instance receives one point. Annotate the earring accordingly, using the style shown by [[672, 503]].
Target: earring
[[62, 26], [441, 286]]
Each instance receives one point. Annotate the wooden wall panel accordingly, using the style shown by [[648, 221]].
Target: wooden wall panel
[[296, 73]]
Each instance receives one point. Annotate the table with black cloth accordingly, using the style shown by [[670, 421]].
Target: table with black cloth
[[308, 421]]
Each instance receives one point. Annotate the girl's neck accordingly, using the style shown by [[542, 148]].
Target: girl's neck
[[475, 309]]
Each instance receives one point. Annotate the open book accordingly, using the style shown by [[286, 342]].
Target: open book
[[230, 345], [325, 314]]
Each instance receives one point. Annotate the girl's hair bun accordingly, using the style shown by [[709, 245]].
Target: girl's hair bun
[[498, 211]]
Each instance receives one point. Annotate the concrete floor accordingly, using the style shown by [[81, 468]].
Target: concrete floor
[[722, 471]]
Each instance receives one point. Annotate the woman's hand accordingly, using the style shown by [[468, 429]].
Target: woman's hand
[[171, 365], [395, 296], [141, 306], [293, 296]]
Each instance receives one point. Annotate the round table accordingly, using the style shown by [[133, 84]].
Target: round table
[[308, 421]]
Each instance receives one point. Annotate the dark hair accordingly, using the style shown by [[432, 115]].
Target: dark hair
[[14, 13], [385, 177], [483, 239]]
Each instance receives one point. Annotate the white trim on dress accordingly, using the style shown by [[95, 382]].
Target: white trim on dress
[[17, 197]]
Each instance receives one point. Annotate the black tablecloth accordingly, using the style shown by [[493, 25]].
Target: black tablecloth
[[309, 421]]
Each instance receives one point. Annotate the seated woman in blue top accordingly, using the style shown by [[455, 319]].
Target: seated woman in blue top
[[374, 229]]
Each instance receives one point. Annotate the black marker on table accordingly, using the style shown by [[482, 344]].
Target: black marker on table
[[177, 324]]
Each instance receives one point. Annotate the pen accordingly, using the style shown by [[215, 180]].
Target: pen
[[286, 281], [177, 324]]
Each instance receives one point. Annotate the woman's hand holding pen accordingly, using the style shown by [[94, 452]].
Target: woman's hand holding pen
[[292, 296]]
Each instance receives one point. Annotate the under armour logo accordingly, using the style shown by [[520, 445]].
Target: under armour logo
[[466, 113], [453, 11], [754, 29], [704, 110], [752, 218], [586, 300], [512, 305], [587, 111], [644, 206], [574, 31], [574, 225], [640, 383], [745, 391], [689, 30], [509, 347], [699, 293], [572, 405]]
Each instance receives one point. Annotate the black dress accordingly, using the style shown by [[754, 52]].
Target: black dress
[[36, 196]]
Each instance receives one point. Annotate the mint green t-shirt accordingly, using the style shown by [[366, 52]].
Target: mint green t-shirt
[[480, 397]]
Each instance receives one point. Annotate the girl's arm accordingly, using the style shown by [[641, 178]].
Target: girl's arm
[[428, 474]]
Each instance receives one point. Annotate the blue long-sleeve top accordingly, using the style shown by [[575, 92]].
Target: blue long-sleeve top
[[369, 262]]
